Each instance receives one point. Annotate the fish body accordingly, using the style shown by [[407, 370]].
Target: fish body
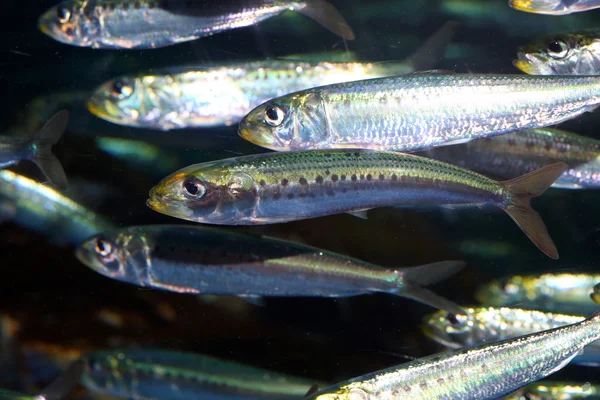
[[576, 53], [417, 111], [148, 24], [170, 375], [280, 187], [485, 372], [552, 390], [515, 154], [198, 260], [554, 292], [554, 7], [44, 209], [481, 325], [38, 149]]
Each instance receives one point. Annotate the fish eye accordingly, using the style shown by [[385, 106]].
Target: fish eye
[[451, 318], [63, 15], [103, 247], [557, 49], [274, 115], [193, 190], [121, 90]]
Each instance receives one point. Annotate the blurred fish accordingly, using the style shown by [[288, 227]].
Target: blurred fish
[[552, 390], [149, 24], [485, 372], [554, 7], [189, 259], [170, 375], [417, 111], [57, 390], [518, 153], [279, 187], [38, 149], [43, 209], [554, 292], [223, 94], [482, 325], [562, 54]]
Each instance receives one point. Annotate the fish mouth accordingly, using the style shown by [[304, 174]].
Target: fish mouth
[[530, 64]]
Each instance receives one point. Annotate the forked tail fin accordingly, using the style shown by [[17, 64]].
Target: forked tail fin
[[522, 190], [43, 142], [326, 14]]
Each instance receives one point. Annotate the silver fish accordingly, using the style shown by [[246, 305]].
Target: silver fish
[[417, 111], [518, 153], [187, 259], [485, 372], [554, 7], [38, 149], [150, 24], [223, 94]]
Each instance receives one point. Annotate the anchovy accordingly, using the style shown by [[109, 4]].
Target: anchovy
[[223, 94], [554, 292], [171, 375], [483, 325], [518, 153], [417, 111], [198, 260], [552, 390], [554, 7], [150, 24], [576, 53], [38, 149], [485, 372], [288, 186], [44, 209]]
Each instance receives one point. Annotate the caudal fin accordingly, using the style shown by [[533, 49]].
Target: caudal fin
[[522, 190], [426, 275], [64, 384], [47, 137], [326, 14]]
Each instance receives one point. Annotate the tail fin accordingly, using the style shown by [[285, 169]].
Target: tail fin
[[430, 52], [64, 384], [326, 14], [522, 190], [425, 275], [44, 140]]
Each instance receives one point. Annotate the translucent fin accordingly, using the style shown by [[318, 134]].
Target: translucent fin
[[362, 214], [64, 384], [432, 51], [312, 390], [431, 273], [326, 14], [43, 142], [426, 296], [521, 190], [253, 299]]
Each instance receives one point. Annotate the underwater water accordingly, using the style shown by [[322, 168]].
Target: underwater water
[[54, 309]]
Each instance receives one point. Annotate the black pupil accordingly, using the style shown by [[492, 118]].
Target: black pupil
[[117, 87], [272, 114], [192, 188], [555, 47], [101, 246], [62, 13], [452, 319]]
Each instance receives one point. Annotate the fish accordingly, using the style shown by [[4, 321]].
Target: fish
[[59, 389], [38, 149], [417, 111], [220, 95], [44, 209], [144, 373], [481, 325], [151, 24], [556, 390], [484, 372], [554, 7], [199, 260], [521, 152], [288, 186], [553, 292], [575, 53]]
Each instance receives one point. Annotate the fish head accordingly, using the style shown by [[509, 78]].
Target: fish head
[[121, 101], [72, 22], [562, 54], [293, 122], [213, 193], [508, 291], [119, 254], [106, 372], [549, 7]]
